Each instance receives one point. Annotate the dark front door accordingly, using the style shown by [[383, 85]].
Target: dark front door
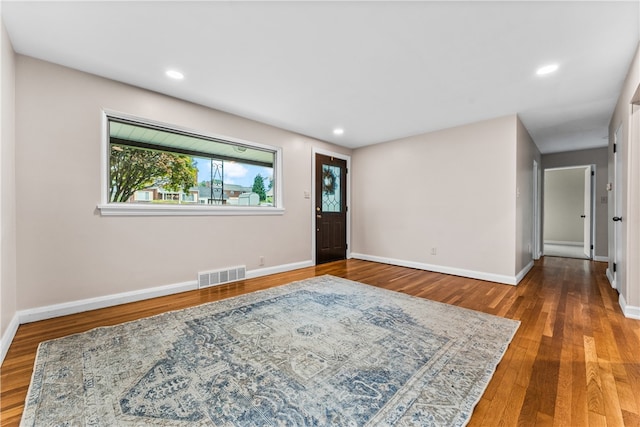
[[331, 209]]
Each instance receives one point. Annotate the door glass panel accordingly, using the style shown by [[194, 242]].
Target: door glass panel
[[331, 189]]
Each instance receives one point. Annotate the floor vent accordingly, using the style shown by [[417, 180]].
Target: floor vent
[[222, 276]]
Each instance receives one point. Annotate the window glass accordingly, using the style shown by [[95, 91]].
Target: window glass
[[331, 189], [155, 165]]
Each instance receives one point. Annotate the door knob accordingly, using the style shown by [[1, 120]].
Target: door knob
[[617, 218], [318, 216]]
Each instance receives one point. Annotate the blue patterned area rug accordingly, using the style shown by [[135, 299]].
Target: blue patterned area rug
[[319, 352]]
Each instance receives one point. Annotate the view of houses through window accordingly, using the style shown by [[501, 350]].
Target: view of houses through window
[[152, 165]]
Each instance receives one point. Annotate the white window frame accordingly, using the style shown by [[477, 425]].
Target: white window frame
[[107, 208]]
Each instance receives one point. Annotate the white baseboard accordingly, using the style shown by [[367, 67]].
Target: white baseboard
[[611, 280], [7, 337], [490, 277], [601, 258], [73, 307], [79, 306], [523, 272], [278, 269], [563, 242], [629, 311]]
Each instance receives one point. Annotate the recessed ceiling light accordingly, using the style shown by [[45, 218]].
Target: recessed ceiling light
[[175, 74], [338, 131], [547, 69]]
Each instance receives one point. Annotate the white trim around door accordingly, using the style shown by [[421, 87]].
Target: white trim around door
[[312, 195]]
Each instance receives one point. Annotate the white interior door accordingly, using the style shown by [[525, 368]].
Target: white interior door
[[587, 212], [617, 205]]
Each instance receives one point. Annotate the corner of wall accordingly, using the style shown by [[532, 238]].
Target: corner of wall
[[526, 153], [8, 285]]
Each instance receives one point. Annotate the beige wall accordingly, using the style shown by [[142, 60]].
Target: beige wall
[[527, 152], [563, 205], [67, 251], [7, 185], [466, 191], [453, 190], [599, 158], [628, 271]]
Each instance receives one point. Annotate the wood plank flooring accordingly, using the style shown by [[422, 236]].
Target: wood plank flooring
[[575, 361]]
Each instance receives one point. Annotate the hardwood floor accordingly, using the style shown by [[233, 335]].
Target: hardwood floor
[[575, 360]]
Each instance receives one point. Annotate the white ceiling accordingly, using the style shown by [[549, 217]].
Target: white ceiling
[[381, 70]]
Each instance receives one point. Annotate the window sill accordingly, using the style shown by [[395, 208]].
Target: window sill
[[185, 210]]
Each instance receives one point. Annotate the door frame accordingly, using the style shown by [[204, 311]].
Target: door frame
[[591, 170], [312, 205], [537, 235], [592, 219], [616, 228]]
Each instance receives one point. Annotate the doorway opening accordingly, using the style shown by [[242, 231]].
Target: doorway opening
[[568, 212]]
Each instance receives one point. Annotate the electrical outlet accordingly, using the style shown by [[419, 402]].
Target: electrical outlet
[[434, 251], [261, 260]]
